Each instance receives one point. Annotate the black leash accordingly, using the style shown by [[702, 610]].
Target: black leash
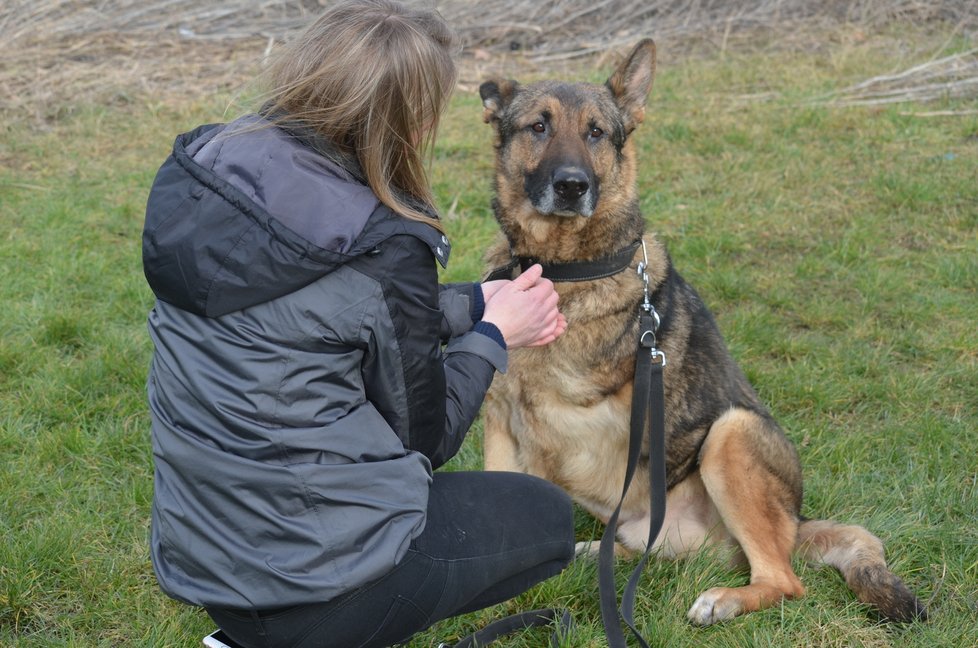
[[648, 404], [517, 622]]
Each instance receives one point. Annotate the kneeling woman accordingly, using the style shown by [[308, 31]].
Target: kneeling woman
[[309, 373]]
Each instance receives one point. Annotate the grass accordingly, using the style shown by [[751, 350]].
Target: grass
[[837, 247]]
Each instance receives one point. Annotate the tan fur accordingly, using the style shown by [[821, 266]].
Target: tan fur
[[562, 411]]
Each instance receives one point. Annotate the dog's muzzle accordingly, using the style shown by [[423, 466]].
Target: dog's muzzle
[[569, 191]]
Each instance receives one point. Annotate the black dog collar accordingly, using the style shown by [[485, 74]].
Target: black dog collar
[[574, 270]]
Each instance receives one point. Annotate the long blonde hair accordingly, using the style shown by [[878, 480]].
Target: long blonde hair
[[372, 77]]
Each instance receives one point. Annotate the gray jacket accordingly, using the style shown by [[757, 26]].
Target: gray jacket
[[299, 390]]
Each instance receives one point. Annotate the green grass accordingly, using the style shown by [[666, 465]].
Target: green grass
[[837, 247]]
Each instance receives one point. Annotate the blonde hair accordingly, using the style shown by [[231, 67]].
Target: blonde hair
[[372, 77]]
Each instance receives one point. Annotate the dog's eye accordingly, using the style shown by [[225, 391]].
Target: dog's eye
[[595, 132], [539, 127]]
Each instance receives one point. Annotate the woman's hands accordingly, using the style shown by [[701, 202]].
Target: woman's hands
[[524, 309]]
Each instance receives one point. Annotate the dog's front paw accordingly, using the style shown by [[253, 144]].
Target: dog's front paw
[[713, 606], [586, 549], [592, 549]]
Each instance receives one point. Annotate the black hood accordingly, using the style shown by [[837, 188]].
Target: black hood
[[243, 213]]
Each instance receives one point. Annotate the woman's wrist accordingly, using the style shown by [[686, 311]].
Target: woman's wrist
[[491, 331]]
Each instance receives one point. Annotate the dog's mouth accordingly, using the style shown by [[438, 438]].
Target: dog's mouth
[[566, 213], [548, 206]]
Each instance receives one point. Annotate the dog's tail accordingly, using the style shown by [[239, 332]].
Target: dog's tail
[[858, 555]]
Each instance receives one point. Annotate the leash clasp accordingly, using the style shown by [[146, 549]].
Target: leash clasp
[[648, 341], [643, 265], [649, 320]]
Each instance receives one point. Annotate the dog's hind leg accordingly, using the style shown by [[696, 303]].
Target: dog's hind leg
[[858, 555], [752, 474]]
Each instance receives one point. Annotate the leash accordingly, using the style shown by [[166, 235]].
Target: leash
[[648, 404], [517, 622]]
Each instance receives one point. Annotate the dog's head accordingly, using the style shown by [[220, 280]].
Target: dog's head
[[563, 149]]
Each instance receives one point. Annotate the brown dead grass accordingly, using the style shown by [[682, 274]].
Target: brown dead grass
[[59, 54]]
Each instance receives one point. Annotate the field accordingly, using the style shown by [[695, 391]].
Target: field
[[837, 246]]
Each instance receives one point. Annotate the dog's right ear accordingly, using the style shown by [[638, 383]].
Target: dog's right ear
[[496, 95]]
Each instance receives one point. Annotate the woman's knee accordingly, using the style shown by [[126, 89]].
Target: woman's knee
[[556, 505], [547, 512], [523, 509]]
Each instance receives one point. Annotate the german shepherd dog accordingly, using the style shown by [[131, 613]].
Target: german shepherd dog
[[565, 192]]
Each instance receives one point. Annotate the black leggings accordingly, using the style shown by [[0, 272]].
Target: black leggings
[[489, 536]]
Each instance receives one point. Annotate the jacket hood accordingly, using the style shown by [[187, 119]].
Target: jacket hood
[[242, 213]]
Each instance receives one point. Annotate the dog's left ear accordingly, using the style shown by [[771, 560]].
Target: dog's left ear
[[496, 95], [631, 82]]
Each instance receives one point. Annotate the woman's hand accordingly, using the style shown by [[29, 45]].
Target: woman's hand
[[525, 309], [490, 288]]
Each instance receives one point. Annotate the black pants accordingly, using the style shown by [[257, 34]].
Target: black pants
[[489, 536]]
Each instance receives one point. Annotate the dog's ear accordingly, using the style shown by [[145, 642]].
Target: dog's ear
[[631, 82], [496, 95]]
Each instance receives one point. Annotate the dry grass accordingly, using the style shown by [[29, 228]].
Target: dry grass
[[949, 77], [58, 53]]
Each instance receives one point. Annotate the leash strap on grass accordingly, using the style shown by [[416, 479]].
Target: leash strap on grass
[[517, 622], [648, 399]]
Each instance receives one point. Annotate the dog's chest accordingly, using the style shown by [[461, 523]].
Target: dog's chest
[[562, 399]]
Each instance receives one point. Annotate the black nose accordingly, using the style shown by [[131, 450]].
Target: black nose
[[570, 183]]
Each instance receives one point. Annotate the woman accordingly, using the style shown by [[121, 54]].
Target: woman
[[300, 392]]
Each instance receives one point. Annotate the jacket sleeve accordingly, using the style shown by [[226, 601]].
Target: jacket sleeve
[[430, 396], [462, 305]]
